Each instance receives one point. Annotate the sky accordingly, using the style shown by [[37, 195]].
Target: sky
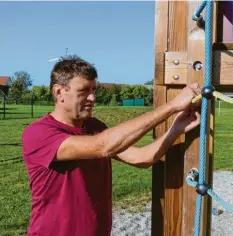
[[117, 37]]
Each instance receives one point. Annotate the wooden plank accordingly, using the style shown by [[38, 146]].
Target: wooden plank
[[195, 54], [174, 157], [224, 21], [176, 65], [223, 67], [222, 46], [161, 22], [160, 94], [159, 68], [177, 26], [224, 88], [174, 179], [227, 20], [215, 21]]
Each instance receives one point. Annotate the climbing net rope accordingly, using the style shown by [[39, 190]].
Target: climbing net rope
[[196, 178]]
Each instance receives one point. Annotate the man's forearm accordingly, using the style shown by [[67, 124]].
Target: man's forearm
[[151, 153], [122, 136]]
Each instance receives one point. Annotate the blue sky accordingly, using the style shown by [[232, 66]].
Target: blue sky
[[118, 37]]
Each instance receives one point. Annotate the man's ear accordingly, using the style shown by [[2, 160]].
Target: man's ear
[[57, 91]]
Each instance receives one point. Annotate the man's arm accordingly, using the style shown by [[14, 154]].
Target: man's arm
[[112, 141], [146, 156]]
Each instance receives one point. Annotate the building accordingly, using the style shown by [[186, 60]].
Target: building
[[5, 84]]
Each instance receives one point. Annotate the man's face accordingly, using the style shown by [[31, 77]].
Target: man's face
[[79, 98]]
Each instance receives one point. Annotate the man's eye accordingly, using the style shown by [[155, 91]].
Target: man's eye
[[83, 90]]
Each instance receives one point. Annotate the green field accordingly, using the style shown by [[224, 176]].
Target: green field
[[130, 185]]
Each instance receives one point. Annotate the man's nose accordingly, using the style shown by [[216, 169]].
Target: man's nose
[[91, 97]]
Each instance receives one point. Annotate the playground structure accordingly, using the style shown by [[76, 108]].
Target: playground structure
[[180, 60]]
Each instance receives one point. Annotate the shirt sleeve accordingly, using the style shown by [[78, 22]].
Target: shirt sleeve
[[41, 142]]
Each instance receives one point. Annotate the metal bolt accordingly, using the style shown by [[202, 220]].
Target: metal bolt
[[176, 62], [197, 65], [176, 77]]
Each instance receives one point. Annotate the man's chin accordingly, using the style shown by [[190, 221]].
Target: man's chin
[[87, 115]]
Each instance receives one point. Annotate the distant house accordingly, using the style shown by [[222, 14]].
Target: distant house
[[109, 85], [5, 84]]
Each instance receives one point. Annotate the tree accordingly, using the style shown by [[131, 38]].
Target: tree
[[116, 91], [113, 101], [102, 95], [150, 82], [140, 91], [21, 81], [149, 97], [41, 93], [127, 92], [23, 78]]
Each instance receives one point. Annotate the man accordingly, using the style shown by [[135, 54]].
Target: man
[[68, 152]]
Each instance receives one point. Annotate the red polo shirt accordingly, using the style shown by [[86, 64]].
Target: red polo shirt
[[69, 198]]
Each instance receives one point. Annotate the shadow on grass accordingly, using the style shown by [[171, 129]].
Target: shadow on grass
[[10, 144], [20, 117], [8, 108]]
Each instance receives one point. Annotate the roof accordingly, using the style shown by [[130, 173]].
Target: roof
[[4, 80]]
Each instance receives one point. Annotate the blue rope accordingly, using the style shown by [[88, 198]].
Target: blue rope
[[226, 205], [200, 186], [204, 108], [191, 183], [198, 215], [212, 194], [197, 14]]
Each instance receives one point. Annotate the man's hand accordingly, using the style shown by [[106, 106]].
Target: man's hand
[[186, 121], [183, 101]]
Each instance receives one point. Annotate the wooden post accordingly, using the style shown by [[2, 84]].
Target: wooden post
[[160, 97], [178, 38]]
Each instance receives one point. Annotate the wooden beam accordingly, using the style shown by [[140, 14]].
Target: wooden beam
[[223, 67], [161, 22], [222, 46], [196, 52], [178, 37], [177, 34], [176, 67], [160, 97]]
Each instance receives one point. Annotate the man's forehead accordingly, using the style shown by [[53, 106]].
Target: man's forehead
[[80, 82]]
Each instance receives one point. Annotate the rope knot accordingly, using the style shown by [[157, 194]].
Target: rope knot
[[207, 92], [197, 18], [202, 189]]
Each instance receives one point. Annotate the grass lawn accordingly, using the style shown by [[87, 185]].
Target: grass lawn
[[129, 183]]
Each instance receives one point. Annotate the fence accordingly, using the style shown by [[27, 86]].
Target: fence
[[12, 109], [133, 102]]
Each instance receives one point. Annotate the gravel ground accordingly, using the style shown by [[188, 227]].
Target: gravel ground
[[139, 224]]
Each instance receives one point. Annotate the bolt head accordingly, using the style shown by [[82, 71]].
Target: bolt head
[[176, 77], [198, 66], [176, 62]]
